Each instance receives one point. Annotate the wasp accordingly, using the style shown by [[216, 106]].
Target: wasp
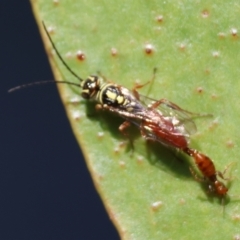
[[161, 121]]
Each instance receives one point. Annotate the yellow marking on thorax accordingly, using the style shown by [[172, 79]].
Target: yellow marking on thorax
[[111, 95], [120, 99]]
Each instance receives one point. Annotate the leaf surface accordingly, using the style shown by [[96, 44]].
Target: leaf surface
[[149, 193]]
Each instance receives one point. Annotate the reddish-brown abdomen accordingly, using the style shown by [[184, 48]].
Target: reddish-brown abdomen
[[204, 164], [172, 139]]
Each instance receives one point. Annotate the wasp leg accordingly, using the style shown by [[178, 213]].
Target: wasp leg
[[221, 174], [138, 86], [98, 107], [201, 180], [122, 128], [196, 176], [102, 76]]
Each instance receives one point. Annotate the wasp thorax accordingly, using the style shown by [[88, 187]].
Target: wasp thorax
[[90, 87]]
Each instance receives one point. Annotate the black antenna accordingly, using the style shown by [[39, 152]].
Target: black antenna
[[58, 54], [41, 82], [50, 81]]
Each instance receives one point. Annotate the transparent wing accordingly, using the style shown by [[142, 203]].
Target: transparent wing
[[181, 119]]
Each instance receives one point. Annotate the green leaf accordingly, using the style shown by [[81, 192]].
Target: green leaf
[[149, 193]]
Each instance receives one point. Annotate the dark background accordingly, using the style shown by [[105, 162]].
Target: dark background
[[45, 188]]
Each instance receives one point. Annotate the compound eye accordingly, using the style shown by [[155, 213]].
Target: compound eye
[[88, 84]]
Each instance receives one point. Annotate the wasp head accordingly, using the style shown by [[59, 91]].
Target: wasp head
[[90, 87]]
